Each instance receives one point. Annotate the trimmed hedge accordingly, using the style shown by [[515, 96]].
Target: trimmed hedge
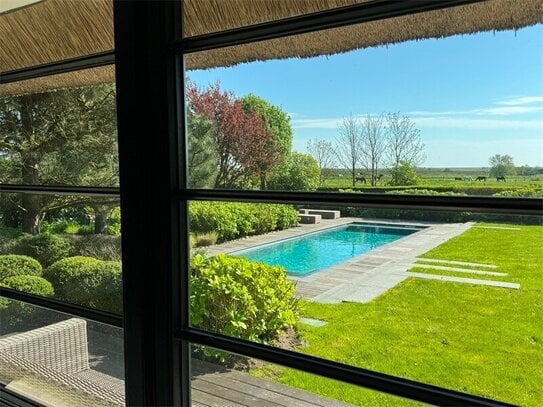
[[30, 284], [45, 247], [233, 220], [87, 281], [16, 265], [239, 298]]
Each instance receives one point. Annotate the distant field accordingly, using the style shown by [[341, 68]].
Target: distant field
[[442, 179]]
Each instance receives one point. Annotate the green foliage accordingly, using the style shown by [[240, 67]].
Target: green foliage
[[203, 157], [30, 284], [87, 281], [15, 312], [46, 248], [501, 165], [418, 191], [403, 174], [242, 299], [114, 221], [299, 173], [277, 121], [230, 220], [16, 265], [526, 192], [204, 239]]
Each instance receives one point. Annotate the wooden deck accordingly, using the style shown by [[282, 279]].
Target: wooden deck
[[215, 386]]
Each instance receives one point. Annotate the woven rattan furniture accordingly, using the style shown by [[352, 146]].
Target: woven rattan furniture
[[51, 366]]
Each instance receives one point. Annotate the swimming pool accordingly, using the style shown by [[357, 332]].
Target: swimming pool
[[320, 250]]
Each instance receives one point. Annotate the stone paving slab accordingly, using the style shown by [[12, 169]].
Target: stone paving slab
[[502, 284], [458, 270], [459, 263]]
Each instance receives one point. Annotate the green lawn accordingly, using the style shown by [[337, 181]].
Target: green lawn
[[482, 340]]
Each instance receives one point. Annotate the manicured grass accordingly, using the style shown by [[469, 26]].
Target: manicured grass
[[482, 340]]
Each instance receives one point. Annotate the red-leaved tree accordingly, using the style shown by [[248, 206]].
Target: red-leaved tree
[[245, 147]]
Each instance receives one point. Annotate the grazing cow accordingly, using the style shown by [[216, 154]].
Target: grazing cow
[[501, 178], [360, 178], [458, 178], [480, 178], [468, 179]]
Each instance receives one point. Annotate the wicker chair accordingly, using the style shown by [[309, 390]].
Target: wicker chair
[[50, 365]]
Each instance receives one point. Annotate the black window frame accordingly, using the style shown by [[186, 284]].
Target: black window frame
[[154, 200]]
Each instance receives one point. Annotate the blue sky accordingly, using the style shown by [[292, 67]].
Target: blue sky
[[471, 96]]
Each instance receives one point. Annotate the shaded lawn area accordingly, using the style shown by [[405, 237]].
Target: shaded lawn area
[[482, 340]]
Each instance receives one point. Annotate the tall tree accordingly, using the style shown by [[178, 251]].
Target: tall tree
[[64, 137], [323, 152], [501, 165], [349, 145], [278, 124], [373, 145], [203, 159], [404, 144], [244, 145]]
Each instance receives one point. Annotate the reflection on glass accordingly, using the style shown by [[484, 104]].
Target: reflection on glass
[[222, 378], [353, 122], [415, 294], [64, 247], [56, 359]]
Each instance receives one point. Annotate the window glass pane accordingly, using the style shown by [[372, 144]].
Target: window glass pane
[[64, 247], [42, 32], [222, 378], [57, 359], [66, 136], [446, 298], [208, 16], [463, 115]]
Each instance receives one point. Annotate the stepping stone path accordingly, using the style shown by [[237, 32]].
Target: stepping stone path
[[437, 267]]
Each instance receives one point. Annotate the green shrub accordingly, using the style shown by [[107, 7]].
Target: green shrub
[[46, 248], [418, 191], [69, 227], [103, 247], [239, 298], [528, 192], [15, 312], [230, 220], [17, 265], [87, 281], [30, 284], [300, 172], [205, 239]]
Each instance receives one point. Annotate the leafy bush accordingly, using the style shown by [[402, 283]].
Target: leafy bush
[[533, 192], [15, 312], [239, 298], [16, 265], [230, 220], [61, 227], [30, 284], [403, 174], [418, 191], [46, 248], [300, 172], [103, 247], [87, 281]]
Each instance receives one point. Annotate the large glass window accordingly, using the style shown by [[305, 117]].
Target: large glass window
[[420, 294]]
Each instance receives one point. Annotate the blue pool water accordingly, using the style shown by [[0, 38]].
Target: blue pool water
[[320, 250]]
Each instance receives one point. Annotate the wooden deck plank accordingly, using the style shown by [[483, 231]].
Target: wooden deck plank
[[210, 400], [232, 394], [289, 395], [275, 395]]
